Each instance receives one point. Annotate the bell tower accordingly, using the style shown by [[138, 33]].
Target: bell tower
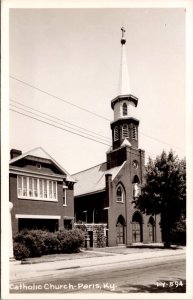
[[125, 125]]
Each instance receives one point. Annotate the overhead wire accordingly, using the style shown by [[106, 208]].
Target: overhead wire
[[59, 98], [62, 128], [99, 136], [53, 121], [58, 119], [84, 109], [56, 126]]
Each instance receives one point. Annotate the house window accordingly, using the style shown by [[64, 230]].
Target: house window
[[50, 189], [24, 187], [68, 224], [134, 132], [55, 189], [30, 187], [19, 186], [116, 133], [45, 189], [124, 109], [41, 188], [36, 188], [65, 195], [125, 132], [120, 194]]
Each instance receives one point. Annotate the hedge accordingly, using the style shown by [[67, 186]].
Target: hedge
[[35, 243]]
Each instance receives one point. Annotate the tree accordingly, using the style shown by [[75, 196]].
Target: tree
[[164, 192], [178, 232]]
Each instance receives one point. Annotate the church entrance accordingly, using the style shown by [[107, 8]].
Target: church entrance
[[151, 225], [120, 227], [137, 228], [90, 233]]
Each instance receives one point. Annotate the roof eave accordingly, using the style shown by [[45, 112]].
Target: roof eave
[[90, 193], [56, 164], [128, 97]]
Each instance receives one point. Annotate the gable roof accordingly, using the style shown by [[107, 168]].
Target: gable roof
[[93, 179], [40, 152]]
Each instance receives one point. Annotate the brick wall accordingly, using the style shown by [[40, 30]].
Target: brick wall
[[127, 208], [40, 207]]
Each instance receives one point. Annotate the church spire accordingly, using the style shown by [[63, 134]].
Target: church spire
[[124, 85], [125, 125]]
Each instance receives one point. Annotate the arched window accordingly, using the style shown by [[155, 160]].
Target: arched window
[[120, 194], [124, 109], [135, 179], [151, 225], [116, 133], [134, 136], [125, 131], [136, 187], [121, 220]]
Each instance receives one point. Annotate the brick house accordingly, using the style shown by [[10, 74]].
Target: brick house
[[105, 194], [41, 191]]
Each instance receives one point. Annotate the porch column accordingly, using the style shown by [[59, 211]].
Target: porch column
[[11, 255]]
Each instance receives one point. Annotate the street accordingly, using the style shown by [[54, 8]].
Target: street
[[152, 275]]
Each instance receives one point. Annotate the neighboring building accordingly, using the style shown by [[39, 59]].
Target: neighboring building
[[105, 194], [41, 191]]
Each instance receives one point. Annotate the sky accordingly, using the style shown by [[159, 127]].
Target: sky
[[74, 55]]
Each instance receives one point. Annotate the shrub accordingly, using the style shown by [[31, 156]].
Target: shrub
[[34, 243], [51, 243], [32, 239], [70, 240], [20, 251]]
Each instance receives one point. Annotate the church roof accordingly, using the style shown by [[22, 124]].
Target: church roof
[[125, 143], [41, 153], [92, 180]]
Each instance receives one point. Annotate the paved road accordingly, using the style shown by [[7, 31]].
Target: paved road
[[155, 275]]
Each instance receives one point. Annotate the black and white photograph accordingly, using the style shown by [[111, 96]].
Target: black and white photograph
[[96, 150]]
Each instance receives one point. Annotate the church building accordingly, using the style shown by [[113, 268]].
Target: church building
[[105, 194]]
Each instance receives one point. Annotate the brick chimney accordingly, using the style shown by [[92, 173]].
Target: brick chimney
[[14, 153]]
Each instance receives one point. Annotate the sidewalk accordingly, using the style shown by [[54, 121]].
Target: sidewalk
[[19, 272]]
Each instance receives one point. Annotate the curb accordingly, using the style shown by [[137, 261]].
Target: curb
[[93, 265], [29, 262]]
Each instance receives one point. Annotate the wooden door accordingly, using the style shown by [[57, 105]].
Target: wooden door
[[120, 234], [136, 232], [151, 233]]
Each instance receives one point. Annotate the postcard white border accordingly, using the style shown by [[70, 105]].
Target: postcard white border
[[6, 5]]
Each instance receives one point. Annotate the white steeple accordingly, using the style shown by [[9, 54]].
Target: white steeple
[[125, 125], [124, 84]]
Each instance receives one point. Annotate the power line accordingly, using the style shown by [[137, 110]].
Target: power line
[[160, 141], [45, 122], [59, 127], [84, 109], [52, 120], [59, 98], [61, 120], [79, 127]]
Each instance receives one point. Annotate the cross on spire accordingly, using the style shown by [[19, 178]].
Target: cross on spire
[[123, 31], [123, 39]]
